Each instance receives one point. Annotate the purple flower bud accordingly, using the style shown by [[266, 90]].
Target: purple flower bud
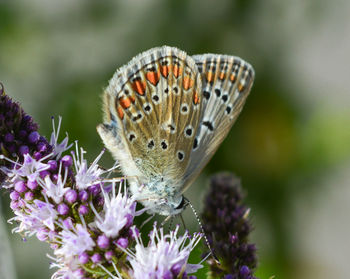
[[52, 164], [28, 196], [63, 209], [244, 271], [83, 209], [20, 186], [103, 241], [95, 189], [71, 196], [33, 137], [122, 242], [44, 173], [37, 156], [23, 149], [84, 258], [67, 161], [176, 268], [67, 223], [14, 205], [83, 195], [168, 275], [96, 258], [129, 220], [9, 137], [14, 195], [42, 234], [42, 146], [109, 255], [55, 177], [32, 185]]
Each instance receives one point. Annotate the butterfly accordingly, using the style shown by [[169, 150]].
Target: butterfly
[[165, 115]]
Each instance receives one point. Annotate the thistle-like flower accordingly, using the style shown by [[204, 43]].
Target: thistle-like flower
[[166, 256]]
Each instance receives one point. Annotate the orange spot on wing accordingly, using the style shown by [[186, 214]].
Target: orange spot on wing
[[196, 99], [222, 76], [125, 102], [209, 76], [177, 71], [164, 70], [240, 87], [232, 77], [153, 77], [187, 82], [132, 99], [120, 112], [139, 86]]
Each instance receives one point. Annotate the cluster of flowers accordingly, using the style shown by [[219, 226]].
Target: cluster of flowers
[[88, 220]]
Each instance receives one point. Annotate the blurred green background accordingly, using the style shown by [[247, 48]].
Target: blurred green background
[[290, 146]]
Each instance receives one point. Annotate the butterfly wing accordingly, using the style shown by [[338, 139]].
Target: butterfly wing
[[152, 111], [226, 83]]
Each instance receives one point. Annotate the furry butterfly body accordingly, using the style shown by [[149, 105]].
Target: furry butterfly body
[[165, 114]]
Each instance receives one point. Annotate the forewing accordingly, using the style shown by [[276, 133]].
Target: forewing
[[154, 103], [226, 83]]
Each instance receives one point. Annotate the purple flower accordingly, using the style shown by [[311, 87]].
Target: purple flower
[[117, 212], [75, 242], [29, 169], [164, 257], [58, 148], [55, 191], [86, 176]]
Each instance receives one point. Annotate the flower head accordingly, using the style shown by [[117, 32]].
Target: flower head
[[118, 213], [75, 242], [225, 220], [165, 256]]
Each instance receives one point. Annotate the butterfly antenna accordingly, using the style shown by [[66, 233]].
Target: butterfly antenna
[[203, 232]]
